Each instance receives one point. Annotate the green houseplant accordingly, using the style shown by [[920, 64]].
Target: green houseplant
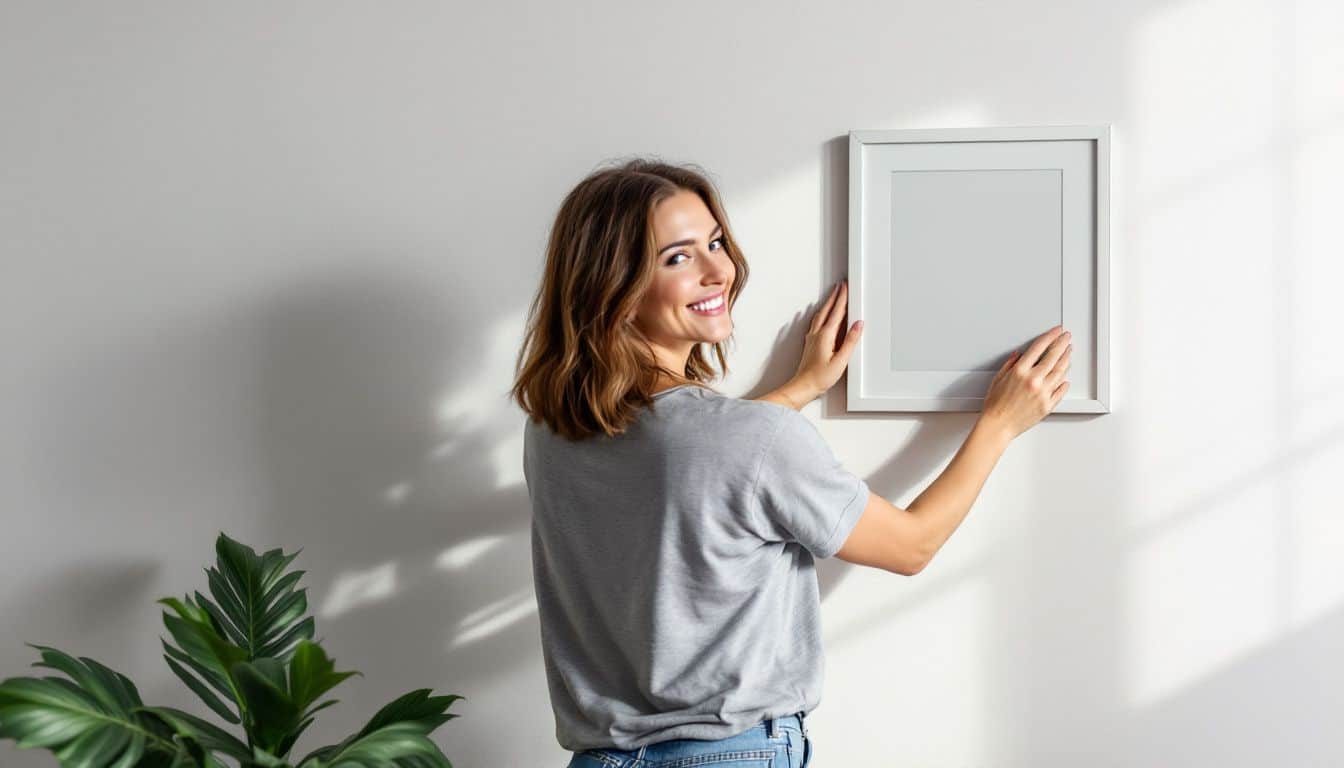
[[248, 653]]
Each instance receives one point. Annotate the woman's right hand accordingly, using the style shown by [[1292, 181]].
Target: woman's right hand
[[1028, 387]]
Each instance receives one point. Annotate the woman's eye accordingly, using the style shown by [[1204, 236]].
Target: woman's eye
[[718, 240]]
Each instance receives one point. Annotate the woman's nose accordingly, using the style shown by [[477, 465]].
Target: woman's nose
[[719, 273]]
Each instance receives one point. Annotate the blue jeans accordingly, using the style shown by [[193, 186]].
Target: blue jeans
[[779, 742]]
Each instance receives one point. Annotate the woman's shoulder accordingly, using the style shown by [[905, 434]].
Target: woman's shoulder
[[763, 407], [699, 407], [690, 408]]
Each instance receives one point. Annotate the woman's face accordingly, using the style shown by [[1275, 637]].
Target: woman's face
[[691, 265]]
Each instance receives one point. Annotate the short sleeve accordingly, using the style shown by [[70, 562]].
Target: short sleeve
[[803, 493]]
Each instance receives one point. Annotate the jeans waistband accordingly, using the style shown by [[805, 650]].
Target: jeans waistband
[[798, 719]]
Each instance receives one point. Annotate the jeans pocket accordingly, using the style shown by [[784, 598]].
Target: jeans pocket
[[746, 758]]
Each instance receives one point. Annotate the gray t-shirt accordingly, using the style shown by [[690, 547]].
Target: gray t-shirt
[[673, 567]]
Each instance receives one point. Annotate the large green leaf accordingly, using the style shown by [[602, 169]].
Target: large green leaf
[[417, 707], [204, 733], [201, 648], [91, 722], [311, 674], [392, 728], [205, 694], [400, 745], [256, 604], [271, 714]]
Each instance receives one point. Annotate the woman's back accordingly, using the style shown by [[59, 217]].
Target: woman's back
[[673, 567]]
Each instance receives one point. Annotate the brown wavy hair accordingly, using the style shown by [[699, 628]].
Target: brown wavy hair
[[584, 368]]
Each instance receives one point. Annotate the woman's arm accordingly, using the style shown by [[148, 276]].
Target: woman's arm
[[944, 504], [1023, 391], [794, 394]]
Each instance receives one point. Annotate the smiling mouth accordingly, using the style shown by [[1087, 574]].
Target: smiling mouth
[[712, 306]]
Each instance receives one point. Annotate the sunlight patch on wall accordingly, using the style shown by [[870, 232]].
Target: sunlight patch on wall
[[463, 554], [481, 380], [1200, 593], [395, 495], [495, 617], [1204, 189], [1318, 66], [480, 406], [1240, 116], [1315, 398], [1315, 564], [506, 456], [1202, 91], [355, 588]]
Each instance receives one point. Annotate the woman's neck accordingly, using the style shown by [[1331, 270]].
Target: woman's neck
[[666, 383]]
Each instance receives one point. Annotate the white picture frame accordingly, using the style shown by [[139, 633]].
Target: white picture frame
[[968, 243]]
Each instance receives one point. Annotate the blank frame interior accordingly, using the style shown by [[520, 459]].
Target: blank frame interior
[[966, 244]]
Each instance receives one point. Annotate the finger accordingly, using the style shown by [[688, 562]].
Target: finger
[[1054, 352], [1060, 368], [838, 311], [1005, 365], [851, 339], [1033, 353], [1058, 394], [820, 317], [833, 331]]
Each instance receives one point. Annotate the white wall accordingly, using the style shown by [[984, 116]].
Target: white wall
[[266, 267]]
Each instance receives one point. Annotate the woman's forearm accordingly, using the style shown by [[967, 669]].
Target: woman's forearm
[[944, 504], [792, 395]]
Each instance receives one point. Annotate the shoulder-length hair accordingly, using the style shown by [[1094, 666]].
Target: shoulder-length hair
[[584, 368]]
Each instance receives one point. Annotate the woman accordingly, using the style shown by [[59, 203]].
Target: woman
[[674, 529]]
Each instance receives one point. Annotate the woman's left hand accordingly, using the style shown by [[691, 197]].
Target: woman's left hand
[[825, 354]]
